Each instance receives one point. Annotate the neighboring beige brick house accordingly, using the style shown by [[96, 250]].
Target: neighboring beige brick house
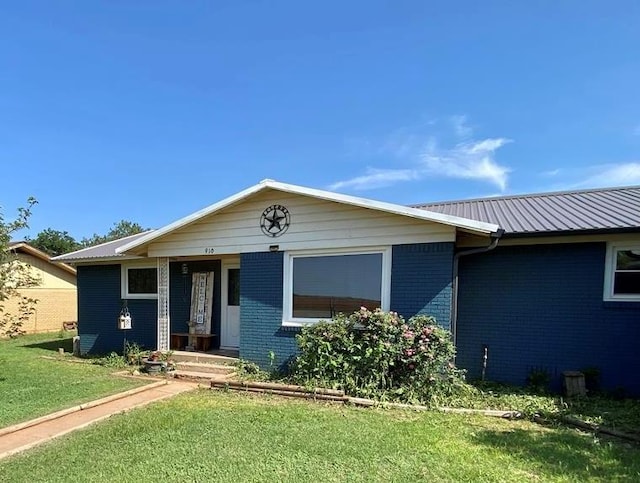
[[56, 293]]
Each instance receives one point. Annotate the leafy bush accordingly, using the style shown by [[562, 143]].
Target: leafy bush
[[134, 354], [113, 360], [538, 380], [250, 371], [379, 354]]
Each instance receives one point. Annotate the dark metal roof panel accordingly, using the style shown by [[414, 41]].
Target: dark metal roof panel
[[586, 210]]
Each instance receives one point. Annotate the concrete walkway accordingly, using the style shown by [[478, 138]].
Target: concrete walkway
[[20, 437]]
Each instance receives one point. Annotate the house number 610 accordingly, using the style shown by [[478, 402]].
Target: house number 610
[[208, 250]]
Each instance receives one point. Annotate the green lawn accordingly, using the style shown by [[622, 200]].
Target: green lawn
[[217, 436], [31, 386]]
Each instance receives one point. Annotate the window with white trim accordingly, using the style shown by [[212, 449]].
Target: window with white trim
[[139, 281], [321, 284], [622, 274]]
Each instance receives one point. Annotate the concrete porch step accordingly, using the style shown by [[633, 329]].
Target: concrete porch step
[[203, 358], [204, 367], [202, 377]]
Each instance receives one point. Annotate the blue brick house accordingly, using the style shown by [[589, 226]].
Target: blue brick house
[[545, 282]]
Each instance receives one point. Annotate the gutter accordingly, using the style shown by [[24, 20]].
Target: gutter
[[496, 236]]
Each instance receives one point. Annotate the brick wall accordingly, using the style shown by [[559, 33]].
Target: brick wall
[[261, 328], [55, 306], [541, 307], [420, 284], [421, 280], [99, 306]]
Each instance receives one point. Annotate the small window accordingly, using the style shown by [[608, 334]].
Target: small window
[[233, 287], [623, 273], [139, 282], [321, 285]]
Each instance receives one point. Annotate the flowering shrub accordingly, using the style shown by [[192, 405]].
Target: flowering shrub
[[379, 354]]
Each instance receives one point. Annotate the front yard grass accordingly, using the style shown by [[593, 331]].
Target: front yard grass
[[31, 386], [617, 414], [218, 436]]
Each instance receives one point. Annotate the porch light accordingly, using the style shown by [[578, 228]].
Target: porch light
[[274, 248], [184, 269]]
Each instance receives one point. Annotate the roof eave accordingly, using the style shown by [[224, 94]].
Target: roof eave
[[69, 257], [26, 248], [422, 214], [589, 231], [114, 259], [194, 217]]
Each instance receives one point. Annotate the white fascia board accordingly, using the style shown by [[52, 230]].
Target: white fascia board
[[193, 217], [100, 260], [456, 221], [472, 225]]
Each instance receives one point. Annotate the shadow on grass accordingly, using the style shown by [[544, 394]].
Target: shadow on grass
[[53, 345], [619, 414], [566, 453], [600, 408]]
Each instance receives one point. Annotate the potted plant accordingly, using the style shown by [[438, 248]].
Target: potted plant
[[153, 363], [158, 361]]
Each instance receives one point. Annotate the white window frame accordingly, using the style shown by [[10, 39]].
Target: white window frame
[[124, 280], [287, 303], [610, 270]]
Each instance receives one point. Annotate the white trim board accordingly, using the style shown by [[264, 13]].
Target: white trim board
[[287, 293], [224, 297], [314, 224], [124, 279], [555, 239], [609, 271]]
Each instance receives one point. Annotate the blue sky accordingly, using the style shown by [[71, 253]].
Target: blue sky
[[148, 111]]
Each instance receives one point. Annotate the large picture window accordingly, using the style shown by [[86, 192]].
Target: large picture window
[[622, 276], [319, 285], [139, 282]]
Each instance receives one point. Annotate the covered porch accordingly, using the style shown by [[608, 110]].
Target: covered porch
[[199, 305]]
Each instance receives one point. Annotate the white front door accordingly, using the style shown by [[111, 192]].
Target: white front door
[[230, 327]]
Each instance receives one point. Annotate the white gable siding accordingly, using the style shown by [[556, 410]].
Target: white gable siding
[[314, 224]]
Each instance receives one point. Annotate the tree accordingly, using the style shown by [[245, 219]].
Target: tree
[[54, 242], [14, 275], [119, 230]]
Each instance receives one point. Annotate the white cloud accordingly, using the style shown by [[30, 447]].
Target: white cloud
[[624, 174], [595, 176], [464, 158], [376, 178], [472, 160]]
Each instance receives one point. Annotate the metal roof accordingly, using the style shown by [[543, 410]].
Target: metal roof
[[611, 209], [584, 211], [103, 251]]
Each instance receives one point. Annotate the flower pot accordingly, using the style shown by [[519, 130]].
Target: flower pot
[[152, 367]]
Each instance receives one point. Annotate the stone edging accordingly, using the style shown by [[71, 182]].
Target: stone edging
[[90, 404]]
